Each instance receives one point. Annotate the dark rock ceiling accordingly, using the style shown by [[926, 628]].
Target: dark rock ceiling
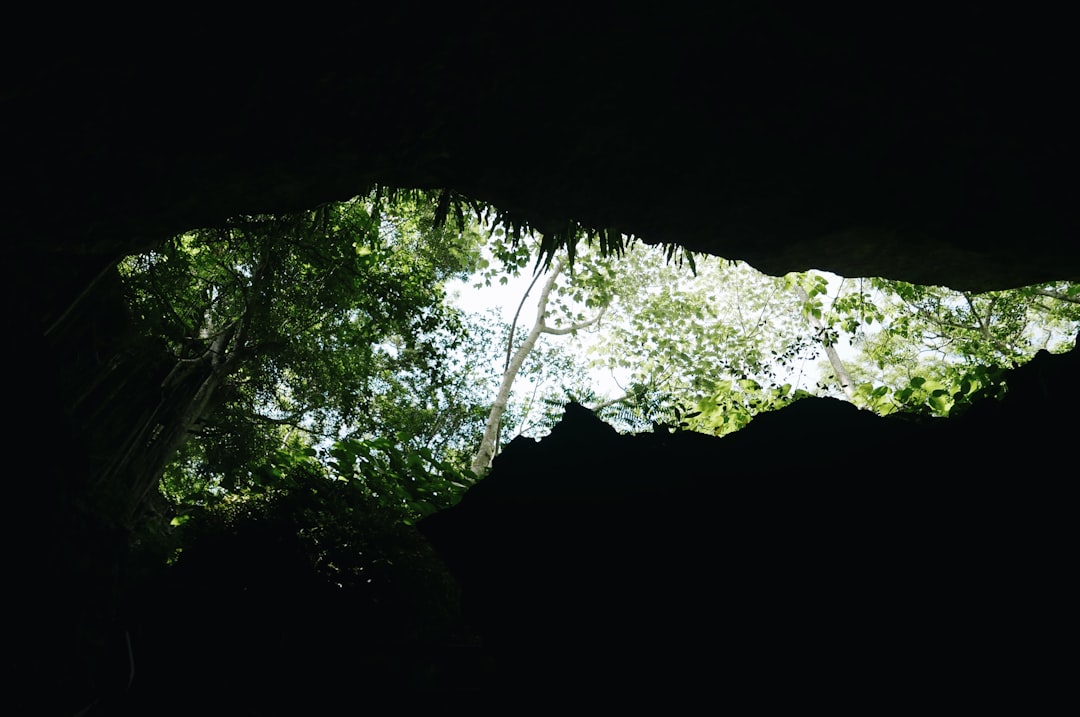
[[935, 146]]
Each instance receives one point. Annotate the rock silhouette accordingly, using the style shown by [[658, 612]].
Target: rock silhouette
[[822, 555]]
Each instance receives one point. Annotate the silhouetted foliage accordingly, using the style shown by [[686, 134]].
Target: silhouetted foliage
[[300, 597]]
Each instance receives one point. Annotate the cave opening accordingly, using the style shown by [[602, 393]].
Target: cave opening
[[932, 148], [362, 553]]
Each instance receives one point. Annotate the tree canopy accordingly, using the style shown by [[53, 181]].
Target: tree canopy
[[709, 345], [321, 395], [287, 332], [327, 335]]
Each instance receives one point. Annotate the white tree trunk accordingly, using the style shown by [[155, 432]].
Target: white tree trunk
[[485, 454], [842, 375]]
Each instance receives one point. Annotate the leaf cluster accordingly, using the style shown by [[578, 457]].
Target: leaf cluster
[[321, 322], [329, 536]]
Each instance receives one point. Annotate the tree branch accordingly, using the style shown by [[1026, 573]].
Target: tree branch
[[1057, 295], [611, 402], [517, 314], [842, 375], [545, 329]]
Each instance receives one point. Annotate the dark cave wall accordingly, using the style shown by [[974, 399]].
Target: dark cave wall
[[820, 555]]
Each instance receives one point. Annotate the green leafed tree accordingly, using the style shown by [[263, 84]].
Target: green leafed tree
[[547, 321], [288, 331], [930, 349], [703, 349], [709, 349], [327, 333], [693, 344]]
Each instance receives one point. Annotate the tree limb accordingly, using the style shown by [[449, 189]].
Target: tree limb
[[842, 375], [545, 329], [1057, 295]]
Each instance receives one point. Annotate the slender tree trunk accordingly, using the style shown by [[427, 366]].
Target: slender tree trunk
[[842, 375], [486, 453], [488, 445]]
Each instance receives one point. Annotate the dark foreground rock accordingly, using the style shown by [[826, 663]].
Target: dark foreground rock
[[822, 556]]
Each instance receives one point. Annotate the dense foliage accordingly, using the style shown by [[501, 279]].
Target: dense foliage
[[323, 396], [708, 346], [327, 336], [933, 350], [301, 331], [313, 582]]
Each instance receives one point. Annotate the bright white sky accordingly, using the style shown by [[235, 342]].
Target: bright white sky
[[497, 296]]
